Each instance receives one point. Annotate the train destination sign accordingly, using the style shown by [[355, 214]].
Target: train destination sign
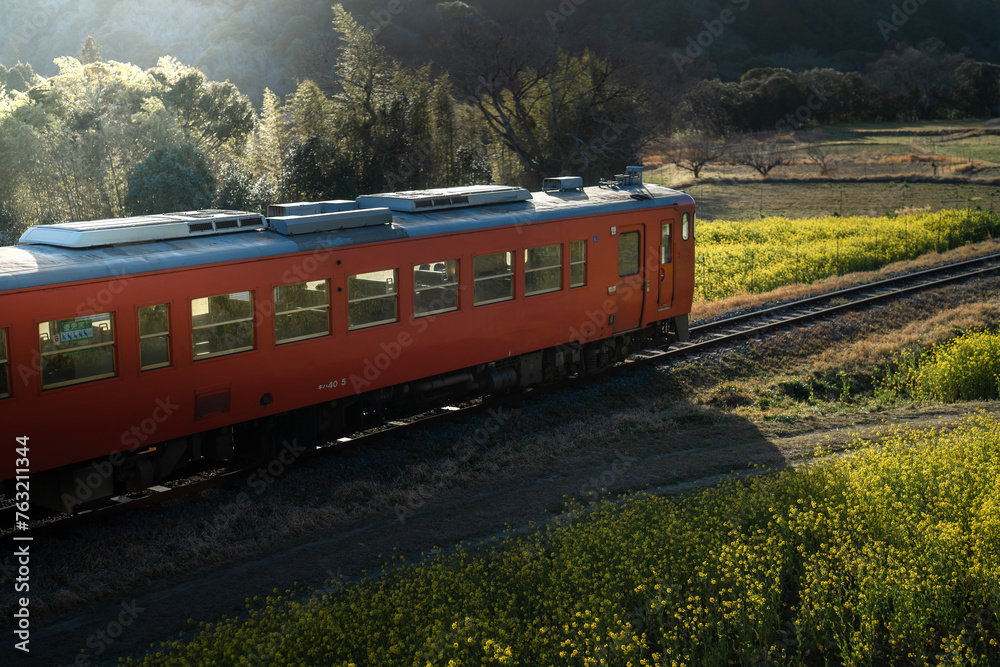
[[74, 330]]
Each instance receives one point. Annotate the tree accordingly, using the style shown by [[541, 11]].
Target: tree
[[213, 114], [239, 190], [169, 180], [978, 91], [91, 51], [315, 169], [761, 152], [310, 111], [696, 153], [381, 118], [713, 107], [268, 143], [819, 151], [558, 113]]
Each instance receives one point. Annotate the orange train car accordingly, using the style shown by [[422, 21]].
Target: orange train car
[[132, 347]]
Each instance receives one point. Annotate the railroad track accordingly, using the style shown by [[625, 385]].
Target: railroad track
[[759, 321], [703, 337]]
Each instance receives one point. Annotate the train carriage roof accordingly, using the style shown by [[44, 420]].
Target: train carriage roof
[[35, 265]]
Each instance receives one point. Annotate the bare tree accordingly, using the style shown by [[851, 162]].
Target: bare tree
[[761, 152], [819, 151], [696, 153]]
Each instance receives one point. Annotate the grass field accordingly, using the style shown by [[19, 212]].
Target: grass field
[[943, 165], [741, 200]]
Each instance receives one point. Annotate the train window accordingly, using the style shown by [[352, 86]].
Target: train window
[[4, 375], [154, 336], [542, 269], [686, 226], [301, 311], [577, 264], [493, 278], [666, 250], [435, 288], [628, 254], [77, 350], [371, 299], [222, 324]]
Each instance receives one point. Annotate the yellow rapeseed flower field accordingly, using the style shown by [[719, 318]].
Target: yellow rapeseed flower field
[[888, 556], [761, 255], [966, 367]]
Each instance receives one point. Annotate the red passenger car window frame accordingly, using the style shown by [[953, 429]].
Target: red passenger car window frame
[[75, 350], [222, 323], [276, 314], [582, 262], [169, 303], [514, 260]]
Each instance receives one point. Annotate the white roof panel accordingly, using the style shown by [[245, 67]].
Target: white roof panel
[[137, 229], [416, 201]]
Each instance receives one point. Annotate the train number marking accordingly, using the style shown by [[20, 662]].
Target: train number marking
[[333, 384]]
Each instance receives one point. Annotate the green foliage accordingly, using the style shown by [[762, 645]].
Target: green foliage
[[69, 144], [214, 113], [90, 52], [889, 556], [171, 179], [239, 190], [315, 170]]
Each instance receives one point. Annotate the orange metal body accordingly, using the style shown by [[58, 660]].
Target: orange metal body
[[137, 408]]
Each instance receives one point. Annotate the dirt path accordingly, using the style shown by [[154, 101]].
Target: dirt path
[[695, 457]]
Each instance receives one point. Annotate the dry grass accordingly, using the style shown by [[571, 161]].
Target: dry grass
[[864, 159]]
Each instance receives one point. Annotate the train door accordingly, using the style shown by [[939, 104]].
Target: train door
[[630, 288], [666, 289]]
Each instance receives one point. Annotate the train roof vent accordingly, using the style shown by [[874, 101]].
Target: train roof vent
[[562, 183], [311, 207], [289, 225], [138, 229], [418, 201]]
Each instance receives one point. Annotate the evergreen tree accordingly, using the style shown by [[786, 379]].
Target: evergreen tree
[[91, 51], [171, 180]]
